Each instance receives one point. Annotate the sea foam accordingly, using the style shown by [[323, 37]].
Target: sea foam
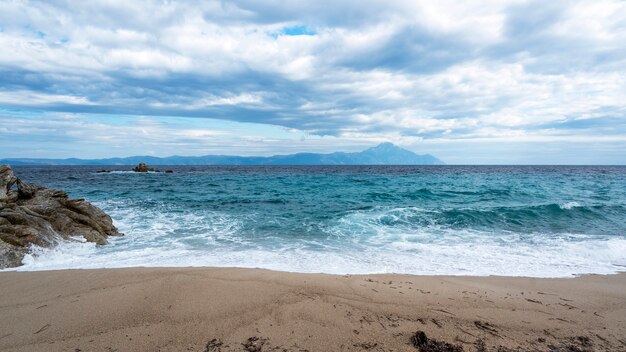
[[359, 243], [520, 221]]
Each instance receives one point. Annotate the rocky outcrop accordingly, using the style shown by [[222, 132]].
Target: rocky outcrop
[[7, 180], [142, 167], [34, 215]]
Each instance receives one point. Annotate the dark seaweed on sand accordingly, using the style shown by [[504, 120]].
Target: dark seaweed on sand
[[420, 341]]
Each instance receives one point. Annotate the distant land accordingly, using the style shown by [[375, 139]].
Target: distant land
[[382, 154]]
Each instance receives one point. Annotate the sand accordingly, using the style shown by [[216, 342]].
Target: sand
[[216, 309]]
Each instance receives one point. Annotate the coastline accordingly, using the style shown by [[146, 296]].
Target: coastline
[[174, 309]]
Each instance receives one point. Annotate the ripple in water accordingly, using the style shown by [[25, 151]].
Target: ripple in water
[[521, 221]]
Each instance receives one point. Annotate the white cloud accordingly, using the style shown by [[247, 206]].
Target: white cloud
[[33, 98], [401, 70]]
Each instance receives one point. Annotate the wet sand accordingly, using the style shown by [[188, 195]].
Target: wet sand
[[215, 309]]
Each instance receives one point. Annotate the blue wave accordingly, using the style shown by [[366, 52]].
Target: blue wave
[[535, 221]]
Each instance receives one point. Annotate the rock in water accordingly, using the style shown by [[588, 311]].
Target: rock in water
[[35, 215], [142, 167]]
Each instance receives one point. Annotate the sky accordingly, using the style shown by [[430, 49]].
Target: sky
[[471, 82]]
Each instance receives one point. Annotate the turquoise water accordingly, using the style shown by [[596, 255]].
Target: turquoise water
[[479, 220]]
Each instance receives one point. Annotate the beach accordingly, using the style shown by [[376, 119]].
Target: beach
[[305, 176], [225, 309]]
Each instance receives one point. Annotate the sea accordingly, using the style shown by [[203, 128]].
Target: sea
[[534, 221]]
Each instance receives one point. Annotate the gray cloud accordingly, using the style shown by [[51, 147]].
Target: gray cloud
[[379, 70]]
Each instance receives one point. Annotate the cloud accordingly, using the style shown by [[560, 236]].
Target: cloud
[[424, 71]]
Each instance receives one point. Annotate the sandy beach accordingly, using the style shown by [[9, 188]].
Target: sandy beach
[[215, 309]]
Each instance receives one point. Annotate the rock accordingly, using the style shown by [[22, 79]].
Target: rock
[[25, 190], [7, 179], [142, 167], [10, 256], [103, 171], [169, 171], [35, 215]]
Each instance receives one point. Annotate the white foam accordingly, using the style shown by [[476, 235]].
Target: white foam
[[359, 243], [558, 260], [569, 205]]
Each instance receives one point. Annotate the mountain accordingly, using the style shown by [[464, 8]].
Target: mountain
[[382, 154]]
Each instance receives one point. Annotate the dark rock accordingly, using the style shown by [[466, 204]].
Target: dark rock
[[103, 171], [169, 171], [26, 191], [142, 167], [39, 216]]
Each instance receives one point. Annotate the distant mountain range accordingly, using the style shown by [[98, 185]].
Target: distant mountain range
[[382, 154]]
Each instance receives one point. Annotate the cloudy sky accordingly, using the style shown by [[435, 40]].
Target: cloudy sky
[[498, 82]]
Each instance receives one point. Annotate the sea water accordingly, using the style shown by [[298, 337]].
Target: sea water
[[542, 221]]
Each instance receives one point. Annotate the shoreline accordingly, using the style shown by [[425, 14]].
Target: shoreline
[[572, 276], [173, 309]]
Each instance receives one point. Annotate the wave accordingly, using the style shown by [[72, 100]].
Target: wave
[[404, 255], [378, 240], [595, 219], [531, 221], [569, 205]]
